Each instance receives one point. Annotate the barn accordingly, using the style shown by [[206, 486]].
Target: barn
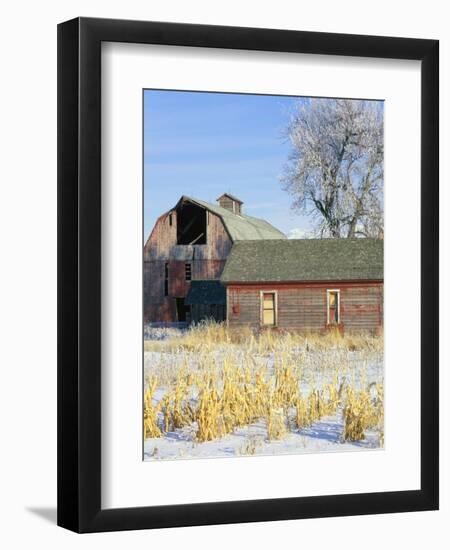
[[305, 284], [186, 253], [205, 260]]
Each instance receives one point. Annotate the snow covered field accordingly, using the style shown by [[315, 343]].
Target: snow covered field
[[344, 364], [322, 436]]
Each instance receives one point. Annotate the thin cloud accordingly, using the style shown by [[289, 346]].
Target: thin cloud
[[299, 233]]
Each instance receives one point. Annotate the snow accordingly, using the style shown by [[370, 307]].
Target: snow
[[324, 435]]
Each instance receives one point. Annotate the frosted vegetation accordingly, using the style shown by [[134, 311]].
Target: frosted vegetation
[[214, 392], [335, 172]]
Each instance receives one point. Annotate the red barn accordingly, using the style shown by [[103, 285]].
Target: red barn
[[186, 253], [213, 261], [306, 284]]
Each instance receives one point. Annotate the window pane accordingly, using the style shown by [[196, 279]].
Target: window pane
[[333, 307], [268, 301], [268, 317]]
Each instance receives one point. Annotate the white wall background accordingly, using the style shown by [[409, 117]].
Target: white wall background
[[28, 273]]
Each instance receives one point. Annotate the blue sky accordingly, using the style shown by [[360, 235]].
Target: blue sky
[[204, 144]]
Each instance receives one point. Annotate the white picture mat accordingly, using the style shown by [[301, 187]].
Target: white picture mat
[[127, 481]]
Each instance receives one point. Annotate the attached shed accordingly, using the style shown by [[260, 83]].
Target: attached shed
[[305, 284], [207, 300]]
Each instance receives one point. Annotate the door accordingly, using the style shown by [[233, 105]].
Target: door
[[183, 311]]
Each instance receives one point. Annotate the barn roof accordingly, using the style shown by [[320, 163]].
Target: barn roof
[[240, 226], [206, 293], [297, 260]]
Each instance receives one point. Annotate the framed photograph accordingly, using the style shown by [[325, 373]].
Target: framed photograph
[[247, 276]]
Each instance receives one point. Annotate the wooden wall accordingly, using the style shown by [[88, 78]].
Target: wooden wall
[[303, 306], [226, 202], [207, 262], [203, 312], [162, 243]]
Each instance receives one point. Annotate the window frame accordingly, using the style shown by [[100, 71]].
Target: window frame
[[166, 279], [186, 265], [336, 291], [261, 308]]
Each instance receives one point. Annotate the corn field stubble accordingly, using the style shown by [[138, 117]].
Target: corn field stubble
[[208, 382]]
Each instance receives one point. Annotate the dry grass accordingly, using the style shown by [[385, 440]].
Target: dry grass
[[151, 428], [276, 423], [208, 336], [362, 412], [250, 447], [216, 380]]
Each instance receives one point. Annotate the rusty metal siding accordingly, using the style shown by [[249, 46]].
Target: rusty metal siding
[[303, 306]]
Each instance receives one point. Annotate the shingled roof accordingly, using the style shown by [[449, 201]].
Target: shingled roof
[[240, 226], [299, 260], [206, 292]]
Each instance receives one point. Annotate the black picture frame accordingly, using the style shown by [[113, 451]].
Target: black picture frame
[[79, 270]]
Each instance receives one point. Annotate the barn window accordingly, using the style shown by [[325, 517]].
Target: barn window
[[187, 272], [170, 219], [269, 306], [333, 307], [166, 279]]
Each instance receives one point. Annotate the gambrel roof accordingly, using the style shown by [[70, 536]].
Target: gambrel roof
[[240, 227], [304, 260]]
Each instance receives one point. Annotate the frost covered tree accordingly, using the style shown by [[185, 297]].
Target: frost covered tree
[[335, 169]]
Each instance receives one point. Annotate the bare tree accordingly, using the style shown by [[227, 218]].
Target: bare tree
[[335, 170]]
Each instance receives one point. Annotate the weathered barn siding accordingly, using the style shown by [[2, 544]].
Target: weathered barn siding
[[201, 312], [207, 262], [227, 202], [165, 311], [303, 306], [362, 307], [162, 243]]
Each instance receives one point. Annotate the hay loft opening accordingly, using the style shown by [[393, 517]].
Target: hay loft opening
[[191, 224]]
